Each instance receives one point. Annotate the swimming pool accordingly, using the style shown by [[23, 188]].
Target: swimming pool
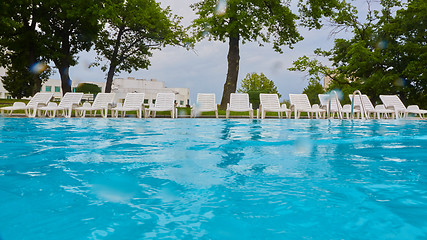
[[212, 179]]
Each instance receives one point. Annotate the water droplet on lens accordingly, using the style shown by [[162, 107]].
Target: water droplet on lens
[[221, 7], [382, 44], [399, 82], [302, 146], [38, 68]]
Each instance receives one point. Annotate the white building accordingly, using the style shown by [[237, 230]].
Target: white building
[[121, 86], [3, 92], [51, 85], [54, 86]]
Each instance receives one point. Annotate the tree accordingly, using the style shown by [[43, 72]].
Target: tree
[[313, 89], [68, 28], [257, 82], [253, 20], [254, 84], [88, 88], [386, 54], [21, 50], [408, 53], [133, 29]]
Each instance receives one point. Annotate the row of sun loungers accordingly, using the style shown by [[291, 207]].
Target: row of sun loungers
[[239, 102]]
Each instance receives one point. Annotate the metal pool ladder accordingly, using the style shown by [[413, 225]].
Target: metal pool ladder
[[337, 102], [362, 106]]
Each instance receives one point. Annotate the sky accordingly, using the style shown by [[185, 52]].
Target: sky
[[203, 70]]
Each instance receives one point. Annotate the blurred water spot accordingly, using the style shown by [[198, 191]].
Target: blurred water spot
[[399, 82], [101, 234], [182, 112], [206, 30], [302, 147], [115, 188], [221, 7], [382, 44], [277, 65], [86, 64], [38, 67], [196, 108], [339, 94]]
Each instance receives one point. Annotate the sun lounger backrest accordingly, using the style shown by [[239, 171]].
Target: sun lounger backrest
[[165, 100], [300, 101], [270, 101], [324, 101], [206, 101], [134, 100], [103, 99], [40, 98], [70, 99], [392, 101], [367, 103], [239, 101]]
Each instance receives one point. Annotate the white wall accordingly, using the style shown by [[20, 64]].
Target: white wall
[[3, 92], [121, 86]]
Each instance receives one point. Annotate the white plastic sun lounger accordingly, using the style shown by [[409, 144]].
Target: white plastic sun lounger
[[270, 103], [133, 102], [370, 111], [239, 102], [68, 102], [393, 102], [332, 104], [416, 110], [300, 103], [38, 100], [164, 102], [205, 103], [102, 102]]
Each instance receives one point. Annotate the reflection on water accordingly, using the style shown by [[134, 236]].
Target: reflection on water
[[209, 178]]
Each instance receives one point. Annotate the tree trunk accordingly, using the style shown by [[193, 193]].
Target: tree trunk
[[33, 56], [37, 81], [64, 62], [65, 77], [110, 76], [233, 71], [114, 61], [37, 84]]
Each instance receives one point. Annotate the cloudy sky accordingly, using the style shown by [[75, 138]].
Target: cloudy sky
[[203, 70]]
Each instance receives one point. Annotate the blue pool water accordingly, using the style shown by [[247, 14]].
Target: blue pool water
[[212, 179]]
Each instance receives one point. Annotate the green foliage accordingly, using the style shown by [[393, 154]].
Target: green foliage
[[254, 82], [21, 47], [69, 27], [386, 55], [262, 21], [312, 90], [44, 31], [88, 88], [18, 83], [268, 21], [133, 29], [316, 70]]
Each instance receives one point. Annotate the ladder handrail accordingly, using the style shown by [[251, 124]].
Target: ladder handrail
[[337, 102], [362, 110]]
